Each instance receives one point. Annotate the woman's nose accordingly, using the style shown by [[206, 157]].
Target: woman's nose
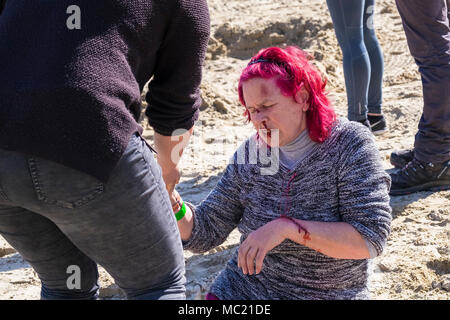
[[258, 117]]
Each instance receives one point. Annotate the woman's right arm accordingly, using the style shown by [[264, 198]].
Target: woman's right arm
[[208, 225]]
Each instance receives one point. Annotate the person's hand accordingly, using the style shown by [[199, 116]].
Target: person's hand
[[253, 250], [175, 199]]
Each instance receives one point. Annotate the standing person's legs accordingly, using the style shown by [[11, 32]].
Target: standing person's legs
[[347, 16], [374, 97], [50, 253], [125, 225], [426, 25], [39, 241]]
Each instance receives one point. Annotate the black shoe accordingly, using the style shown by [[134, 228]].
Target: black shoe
[[400, 159], [377, 124], [365, 122], [421, 176]]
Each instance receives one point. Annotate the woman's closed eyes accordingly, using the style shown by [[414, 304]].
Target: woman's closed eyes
[[265, 107]]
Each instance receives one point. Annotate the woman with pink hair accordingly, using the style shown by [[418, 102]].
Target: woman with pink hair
[[311, 222]]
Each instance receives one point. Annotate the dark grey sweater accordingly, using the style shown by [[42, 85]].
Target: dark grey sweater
[[73, 96], [341, 180]]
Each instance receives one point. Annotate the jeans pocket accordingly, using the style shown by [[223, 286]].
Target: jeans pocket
[[61, 186]]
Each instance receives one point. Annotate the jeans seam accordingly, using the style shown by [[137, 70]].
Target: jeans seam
[[34, 177], [351, 57]]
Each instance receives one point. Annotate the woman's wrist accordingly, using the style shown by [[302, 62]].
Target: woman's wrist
[[185, 225], [300, 230], [178, 205], [181, 212]]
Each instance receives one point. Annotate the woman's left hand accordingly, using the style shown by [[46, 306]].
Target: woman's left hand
[[253, 250]]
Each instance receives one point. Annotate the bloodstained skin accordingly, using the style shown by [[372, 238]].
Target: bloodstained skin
[[306, 236]]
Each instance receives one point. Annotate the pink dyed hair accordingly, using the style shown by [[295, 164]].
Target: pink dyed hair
[[292, 69]]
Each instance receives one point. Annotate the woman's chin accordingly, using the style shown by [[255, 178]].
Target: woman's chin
[[272, 140]]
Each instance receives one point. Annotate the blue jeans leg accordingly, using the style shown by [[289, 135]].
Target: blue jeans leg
[[353, 24], [375, 91], [126, 225], [427, 29]]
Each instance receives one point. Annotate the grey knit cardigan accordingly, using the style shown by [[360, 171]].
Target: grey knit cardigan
[[341, 180]]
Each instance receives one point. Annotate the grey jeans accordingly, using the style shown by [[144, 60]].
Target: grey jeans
[[58, 218]]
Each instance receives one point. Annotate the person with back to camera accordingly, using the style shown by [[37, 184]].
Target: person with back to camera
[[310, 224], [79, 186], [353, 22]]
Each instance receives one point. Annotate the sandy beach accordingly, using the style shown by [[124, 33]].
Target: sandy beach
[[416, 260]]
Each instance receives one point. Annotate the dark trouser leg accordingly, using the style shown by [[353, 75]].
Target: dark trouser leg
[[126, 225], [426, 25], [50, 253]]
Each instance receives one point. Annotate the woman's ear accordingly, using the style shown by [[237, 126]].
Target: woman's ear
[[302, 97]]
